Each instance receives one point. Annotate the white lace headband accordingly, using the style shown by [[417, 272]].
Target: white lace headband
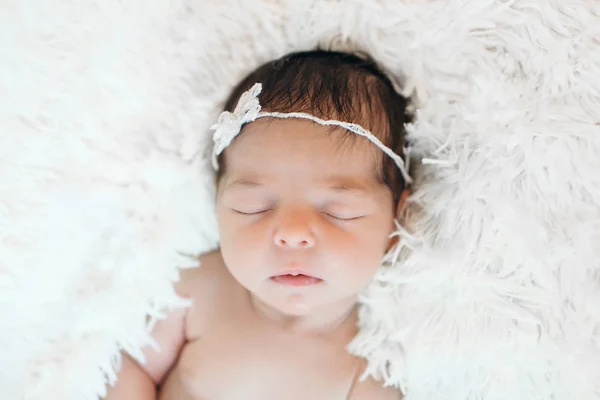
[[229, 125]]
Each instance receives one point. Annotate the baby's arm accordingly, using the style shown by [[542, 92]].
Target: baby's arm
[[139, 382]]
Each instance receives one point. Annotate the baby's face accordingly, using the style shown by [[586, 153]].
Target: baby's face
[[303, 221]]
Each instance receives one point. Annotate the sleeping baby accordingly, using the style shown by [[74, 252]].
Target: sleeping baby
[[310, 175]]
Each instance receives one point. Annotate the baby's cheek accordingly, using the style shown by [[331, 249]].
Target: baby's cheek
[[237, 230], [369, 239], [250, 237], [370, 249], [242, 259], [360, 256], [242, 245]]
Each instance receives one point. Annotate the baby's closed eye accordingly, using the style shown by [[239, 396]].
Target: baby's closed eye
[[345, 213], [248, 203], [338, 207], [337, 210], [342, 214]]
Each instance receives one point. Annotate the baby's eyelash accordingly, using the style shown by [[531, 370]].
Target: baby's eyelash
[[343, 219], [329, 215], [251, 213]]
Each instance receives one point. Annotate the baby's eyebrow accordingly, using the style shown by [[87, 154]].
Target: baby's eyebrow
[[335, 183], [244, 182], [344, 184]]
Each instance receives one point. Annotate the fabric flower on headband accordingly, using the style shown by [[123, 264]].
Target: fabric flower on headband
[[229, 124]]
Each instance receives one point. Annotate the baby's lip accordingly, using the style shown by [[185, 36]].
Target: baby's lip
[[296, 272], [296, 277], [296, 280]]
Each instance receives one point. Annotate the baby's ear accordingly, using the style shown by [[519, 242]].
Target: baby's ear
[[399, 207], [402, 202]]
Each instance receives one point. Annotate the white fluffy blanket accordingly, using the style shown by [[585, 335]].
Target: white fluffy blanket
[[105, 193]]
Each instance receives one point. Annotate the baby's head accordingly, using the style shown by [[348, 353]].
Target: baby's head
[[306, 210]]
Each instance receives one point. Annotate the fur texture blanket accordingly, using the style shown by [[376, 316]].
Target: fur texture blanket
[[106, 190]]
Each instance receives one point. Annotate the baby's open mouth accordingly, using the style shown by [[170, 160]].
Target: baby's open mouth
[[296, 279]]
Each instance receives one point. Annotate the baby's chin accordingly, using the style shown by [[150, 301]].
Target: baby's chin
[[294, 305]]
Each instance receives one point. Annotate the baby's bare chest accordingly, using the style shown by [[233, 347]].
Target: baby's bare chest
[[240, 360]]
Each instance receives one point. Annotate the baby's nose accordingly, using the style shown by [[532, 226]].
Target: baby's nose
[[294, 233], [294, 241]]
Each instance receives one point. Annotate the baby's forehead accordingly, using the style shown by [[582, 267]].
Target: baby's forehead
[[283, 141], [327, 187], [310, 159], [339, 183]]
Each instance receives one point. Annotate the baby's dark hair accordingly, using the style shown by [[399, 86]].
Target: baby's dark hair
[[335, 85]]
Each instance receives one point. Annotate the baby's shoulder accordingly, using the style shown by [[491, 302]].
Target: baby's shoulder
[[202, 285], [199, 280]]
